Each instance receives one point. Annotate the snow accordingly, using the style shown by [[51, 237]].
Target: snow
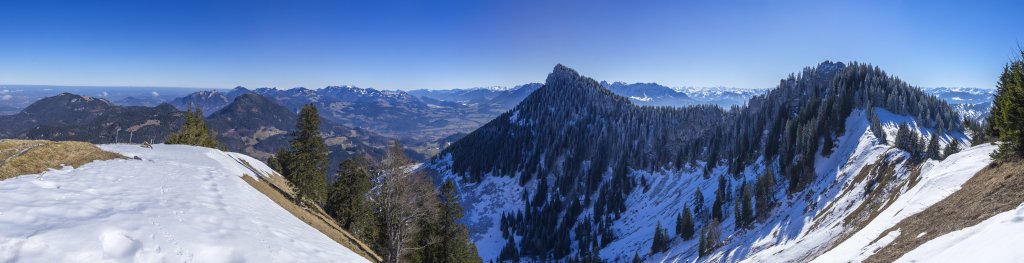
[[645, 98], [483, 203], [177, 204], [992, 240], [938, 181], [799, 228]]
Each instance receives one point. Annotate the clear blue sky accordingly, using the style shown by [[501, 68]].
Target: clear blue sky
[[458, 44]]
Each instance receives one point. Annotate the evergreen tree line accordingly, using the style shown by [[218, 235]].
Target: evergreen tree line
[[909, 140], [397, 211], [1006, 122]]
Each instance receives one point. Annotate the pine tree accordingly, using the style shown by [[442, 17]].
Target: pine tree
[[661, 240], [952, 148], [274, 164], [306, 164], [455, 244], [932, 151], [509, 253], [1007, 114], [721, 195], [636, 257], [763, 194], [698, 201], [903, 137], [709, 238], [744, 207], [876, 126], [346, 199], [194, 131], [684, 224]]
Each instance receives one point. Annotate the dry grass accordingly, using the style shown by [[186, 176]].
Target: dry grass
[[20, 157], [993, 190], [278, 189]]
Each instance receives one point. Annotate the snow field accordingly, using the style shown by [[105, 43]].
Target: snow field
[[177, 204]]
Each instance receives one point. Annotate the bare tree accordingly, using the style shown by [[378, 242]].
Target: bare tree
[[402, 196]]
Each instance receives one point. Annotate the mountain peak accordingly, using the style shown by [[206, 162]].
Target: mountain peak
[[240, 89], [561, 72], [67, 102]]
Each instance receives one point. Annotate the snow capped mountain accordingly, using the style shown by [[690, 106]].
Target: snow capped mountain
[[721, 96], [172, 203], [208, 100], [973, 103], [650, 94]]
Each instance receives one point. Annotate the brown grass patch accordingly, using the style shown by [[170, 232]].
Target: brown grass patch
[[993, 190], [279, 190], [20, 157]]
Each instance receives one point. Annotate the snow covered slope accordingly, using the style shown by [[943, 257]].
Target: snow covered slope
[[990, 241], [939, 179], [177, 204]]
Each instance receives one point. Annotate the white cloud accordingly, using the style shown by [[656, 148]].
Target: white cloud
[[104, 94], [155, 94], [6, 97], [5, 91]]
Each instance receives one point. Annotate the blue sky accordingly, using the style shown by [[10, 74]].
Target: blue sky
[[459, 44]]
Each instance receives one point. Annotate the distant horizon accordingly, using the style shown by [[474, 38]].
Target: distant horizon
[[2, 86]]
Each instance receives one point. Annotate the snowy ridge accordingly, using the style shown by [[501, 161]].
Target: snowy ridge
[[799, 228], [177, 204]]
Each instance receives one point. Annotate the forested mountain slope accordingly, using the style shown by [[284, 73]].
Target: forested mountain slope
[[82, 118], [575, 171]]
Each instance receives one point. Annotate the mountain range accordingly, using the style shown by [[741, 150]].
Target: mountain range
[[787, 177], [576, 169]]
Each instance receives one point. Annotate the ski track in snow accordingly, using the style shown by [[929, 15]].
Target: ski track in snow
[[177, 204]]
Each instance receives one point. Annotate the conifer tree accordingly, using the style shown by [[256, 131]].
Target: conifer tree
[[744, 207], [346, 199], [684, 224], [1007, 115], [716, 209], [194, 131], [763, 194], [274, 164], [952, 148], [709, 238], [636, 257], [876, 126], [698, 202], [661, 240], [454, 243], [306, 164], [932, 151], [509, 252]]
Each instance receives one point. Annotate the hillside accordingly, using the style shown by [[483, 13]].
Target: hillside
[[82, 118], [526, 174], [169, 203], [250, 123], [255, 125]]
